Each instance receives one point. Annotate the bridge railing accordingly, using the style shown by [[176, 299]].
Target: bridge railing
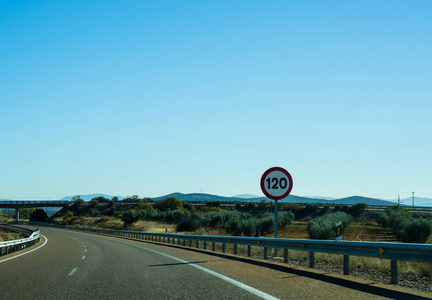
[[392, 251], [35, 202], [8, 247]]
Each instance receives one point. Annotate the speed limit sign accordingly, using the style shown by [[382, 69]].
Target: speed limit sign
[[276, 183]]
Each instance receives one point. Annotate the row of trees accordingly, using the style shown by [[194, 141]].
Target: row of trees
[[252, 219], [234, 222], [404, 226]]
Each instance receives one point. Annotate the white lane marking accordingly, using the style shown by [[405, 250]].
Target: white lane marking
[[83, 257], [243, 286], [73, 271], [6, 259], [85, 250]]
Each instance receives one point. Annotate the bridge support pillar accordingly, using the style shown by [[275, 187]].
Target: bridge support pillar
[[17, 214]]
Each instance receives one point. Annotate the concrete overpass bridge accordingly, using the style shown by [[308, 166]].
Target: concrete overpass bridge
[[30, 204]]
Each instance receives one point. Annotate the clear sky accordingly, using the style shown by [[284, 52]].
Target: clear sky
[[155, 97]]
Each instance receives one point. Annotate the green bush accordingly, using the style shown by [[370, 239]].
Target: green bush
[[130, 216], [265, 225], [95, 213], [356, 209], [171, 203], [175, 216], [248, 227], [38, 215], [324, 228], [190, 222], [285, 218], [415, 230], [233, 226]]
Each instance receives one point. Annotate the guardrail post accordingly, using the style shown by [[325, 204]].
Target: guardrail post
[[249, 251], [197, 244], [224, 247], [178, 241], [184, 242], [346, 264], [285, 255], [265, 252], [394, 271], [214, 246], [235, 248], [205, 245], [312, 259], [190, 243]]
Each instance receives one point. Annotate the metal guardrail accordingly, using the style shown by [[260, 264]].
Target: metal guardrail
[[8, 247], [392, 251]]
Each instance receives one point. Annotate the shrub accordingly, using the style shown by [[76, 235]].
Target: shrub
[[414, 231], [233, 226], [189, 223], [356, 209], [248, 227], [130, 217], [324, 227], [285, 218], [265, 225], [95, 213], [175, 216], [144, 206], [171, 203], [38, 215]]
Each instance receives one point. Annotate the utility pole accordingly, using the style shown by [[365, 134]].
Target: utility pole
[[398, 200], [413, 198]]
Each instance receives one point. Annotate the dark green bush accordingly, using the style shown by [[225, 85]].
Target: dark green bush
[[285, 218], [248, 227], [38, 215], [233, 226], [356, 209], [415, 230], [96, 213], [324, 228], [190, 222], [130, 216], [265, 225]]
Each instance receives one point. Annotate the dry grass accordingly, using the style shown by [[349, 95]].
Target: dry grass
[[8, 236]]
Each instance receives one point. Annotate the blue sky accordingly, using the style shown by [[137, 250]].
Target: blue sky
[[155, 97]]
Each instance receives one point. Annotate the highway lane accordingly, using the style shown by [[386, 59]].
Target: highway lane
[[76, 265]]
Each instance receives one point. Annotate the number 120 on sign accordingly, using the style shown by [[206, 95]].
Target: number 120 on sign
[[276, 183]]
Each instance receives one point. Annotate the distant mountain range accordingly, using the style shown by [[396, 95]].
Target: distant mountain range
[[291, 198], [200, 197]]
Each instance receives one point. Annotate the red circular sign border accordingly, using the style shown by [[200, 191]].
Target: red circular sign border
[[289, 179]]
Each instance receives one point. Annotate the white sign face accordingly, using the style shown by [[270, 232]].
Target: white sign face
[[276, 183]]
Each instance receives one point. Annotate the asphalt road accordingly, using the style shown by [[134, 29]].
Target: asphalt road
[[75, 265]]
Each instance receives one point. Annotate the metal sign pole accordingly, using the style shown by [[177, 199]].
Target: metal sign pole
[[276, 183], [276, 226]]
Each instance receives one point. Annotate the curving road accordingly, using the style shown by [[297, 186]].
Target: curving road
[[75, 265]]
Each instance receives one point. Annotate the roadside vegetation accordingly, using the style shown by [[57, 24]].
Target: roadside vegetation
[[312, 221]]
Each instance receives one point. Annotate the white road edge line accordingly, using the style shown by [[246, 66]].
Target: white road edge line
[[6, 259], [73, 271], [83, 257], [243, 286]]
